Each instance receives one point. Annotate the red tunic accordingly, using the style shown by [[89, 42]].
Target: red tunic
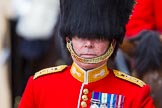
[[147, 15], [71, 88]]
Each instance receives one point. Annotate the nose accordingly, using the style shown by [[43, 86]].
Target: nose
[[89, 44]]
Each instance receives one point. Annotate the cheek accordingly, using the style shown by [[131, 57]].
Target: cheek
[[76, 47], [101, 49]]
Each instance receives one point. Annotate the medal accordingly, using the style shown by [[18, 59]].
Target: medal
[[103, 105], [94, 106], [95, 101]]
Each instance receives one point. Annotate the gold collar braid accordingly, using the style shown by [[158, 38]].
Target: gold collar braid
[[90, 60]]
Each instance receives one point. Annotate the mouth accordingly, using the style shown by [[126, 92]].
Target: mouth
[[88, 55]]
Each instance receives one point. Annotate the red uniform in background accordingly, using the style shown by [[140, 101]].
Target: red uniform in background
[[147, 15], [72, 87]]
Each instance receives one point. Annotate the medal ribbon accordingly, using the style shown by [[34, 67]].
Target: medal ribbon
[[110, 100]]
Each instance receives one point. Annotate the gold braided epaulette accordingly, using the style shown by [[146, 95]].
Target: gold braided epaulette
[[49, 71], [129, 78]]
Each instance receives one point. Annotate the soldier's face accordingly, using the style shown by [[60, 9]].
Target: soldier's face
[[89, 48]]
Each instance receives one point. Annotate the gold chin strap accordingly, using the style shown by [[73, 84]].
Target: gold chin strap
[[90, 60]]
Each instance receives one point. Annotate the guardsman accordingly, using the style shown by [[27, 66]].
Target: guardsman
[[92, 31]]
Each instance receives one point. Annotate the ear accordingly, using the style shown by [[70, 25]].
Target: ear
[[67, 39]]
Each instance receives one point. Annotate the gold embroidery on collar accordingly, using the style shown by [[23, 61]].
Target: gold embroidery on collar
[[90, 75]]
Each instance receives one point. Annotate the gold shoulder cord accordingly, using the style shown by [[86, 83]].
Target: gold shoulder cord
[[129, 78], [49, 71], [90, 60]]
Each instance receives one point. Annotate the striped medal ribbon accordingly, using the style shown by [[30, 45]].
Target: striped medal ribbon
[[105, 100]]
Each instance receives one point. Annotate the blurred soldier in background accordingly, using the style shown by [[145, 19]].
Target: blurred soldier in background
[[143, 44], [146, 15]]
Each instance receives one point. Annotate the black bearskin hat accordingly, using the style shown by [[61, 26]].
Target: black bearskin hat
[[102, 19], [95, 18]]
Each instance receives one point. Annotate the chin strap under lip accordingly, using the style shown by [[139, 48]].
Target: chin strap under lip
[[94, 60]]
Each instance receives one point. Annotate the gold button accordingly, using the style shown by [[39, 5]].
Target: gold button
[[83, 104], [85, 91], [84, 97]]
